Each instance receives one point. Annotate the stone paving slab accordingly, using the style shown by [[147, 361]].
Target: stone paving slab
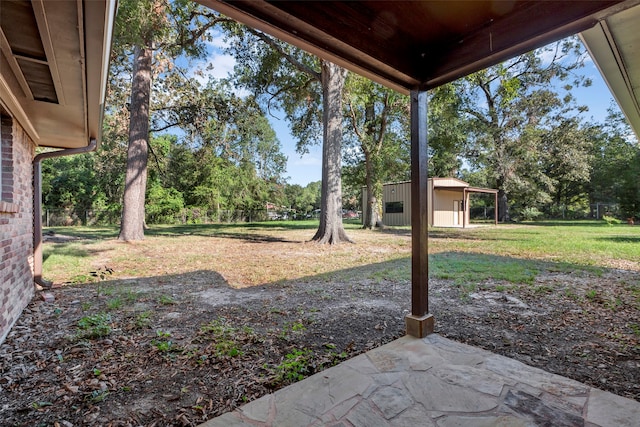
[[434, 382]]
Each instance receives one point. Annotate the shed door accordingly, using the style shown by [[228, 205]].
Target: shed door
[[456, 212]]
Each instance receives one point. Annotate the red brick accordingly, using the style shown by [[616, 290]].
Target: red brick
[[16, 231]]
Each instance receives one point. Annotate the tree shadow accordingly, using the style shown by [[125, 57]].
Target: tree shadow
[[620, 239], [207, 229], [68, 249], [567, 223]]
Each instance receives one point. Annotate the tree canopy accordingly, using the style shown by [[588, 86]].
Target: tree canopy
[[201, 150]]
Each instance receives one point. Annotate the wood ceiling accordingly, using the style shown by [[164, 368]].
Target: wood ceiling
[[419, 44]]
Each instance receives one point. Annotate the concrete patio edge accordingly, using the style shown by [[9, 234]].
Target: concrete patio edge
[[434, 381]]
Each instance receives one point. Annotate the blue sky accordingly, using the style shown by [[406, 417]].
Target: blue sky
[[308, 168], [300, 169]]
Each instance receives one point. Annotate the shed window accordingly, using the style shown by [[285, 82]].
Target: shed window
[[394, 207]]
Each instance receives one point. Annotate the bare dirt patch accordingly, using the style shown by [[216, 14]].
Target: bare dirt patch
[[183, 346]]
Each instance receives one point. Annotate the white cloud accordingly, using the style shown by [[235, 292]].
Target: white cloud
[[307, 160], [216, 65]]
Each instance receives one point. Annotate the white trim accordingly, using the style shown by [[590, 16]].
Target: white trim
[[608, 58], [14, 108], [109, 23]]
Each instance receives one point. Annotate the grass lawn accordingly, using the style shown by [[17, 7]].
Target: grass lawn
[[259, 253]]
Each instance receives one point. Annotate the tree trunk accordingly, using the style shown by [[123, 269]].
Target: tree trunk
[[371, 218], [503, 206], [331, 230], [132, 225]]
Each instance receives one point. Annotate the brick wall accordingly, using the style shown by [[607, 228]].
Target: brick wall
[[16, 223]]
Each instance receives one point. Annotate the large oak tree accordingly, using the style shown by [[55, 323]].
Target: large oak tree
[[309, 91], [153, 33], [506, 105]]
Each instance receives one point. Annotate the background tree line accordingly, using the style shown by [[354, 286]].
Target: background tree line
[[173, 142]]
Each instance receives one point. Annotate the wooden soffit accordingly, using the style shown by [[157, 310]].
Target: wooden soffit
[[419, 44], [54, 59]]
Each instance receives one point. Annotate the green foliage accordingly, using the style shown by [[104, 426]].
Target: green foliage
[[163, 344], [143, 320], [610, 220], [226, 339], [614, 177], [292, 328], [95, 326], [629, 190], [591, 294], [377, 134], [446, 131], [40, 404], [295, 367], [522, 132], [530, 214], [69, 185], [114, 303], [163, 204], [303, 200], [266, 65], [166, 300]]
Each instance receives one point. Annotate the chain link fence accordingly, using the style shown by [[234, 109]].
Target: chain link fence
[[66, 218]]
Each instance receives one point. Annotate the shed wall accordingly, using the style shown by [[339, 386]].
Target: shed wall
[[399, 193], [443, 209], [446, 211]]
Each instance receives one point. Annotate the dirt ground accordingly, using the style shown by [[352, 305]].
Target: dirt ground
[[181, 349]]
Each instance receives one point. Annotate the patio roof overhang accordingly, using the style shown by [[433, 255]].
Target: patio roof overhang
[[465, 189], [413, 46], [417, 45], [481, 190], [54, 58], [614, 45]]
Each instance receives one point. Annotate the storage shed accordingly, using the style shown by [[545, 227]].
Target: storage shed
[[447, 201]]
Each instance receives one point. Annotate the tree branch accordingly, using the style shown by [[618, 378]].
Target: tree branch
[[293, 61]]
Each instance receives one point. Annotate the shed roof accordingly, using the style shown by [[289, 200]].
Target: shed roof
[[448, 183]]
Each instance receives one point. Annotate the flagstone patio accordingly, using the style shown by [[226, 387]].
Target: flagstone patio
[[434, 382]]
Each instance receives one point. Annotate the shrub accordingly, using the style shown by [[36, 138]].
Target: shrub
[[610, 220], [530, 214], [163, 204]]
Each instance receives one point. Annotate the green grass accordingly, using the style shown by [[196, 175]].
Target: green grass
[[575, 242], [469, 268], [514, 253], [518, 253]]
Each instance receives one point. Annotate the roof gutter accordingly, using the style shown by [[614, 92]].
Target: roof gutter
[[37, 205]]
